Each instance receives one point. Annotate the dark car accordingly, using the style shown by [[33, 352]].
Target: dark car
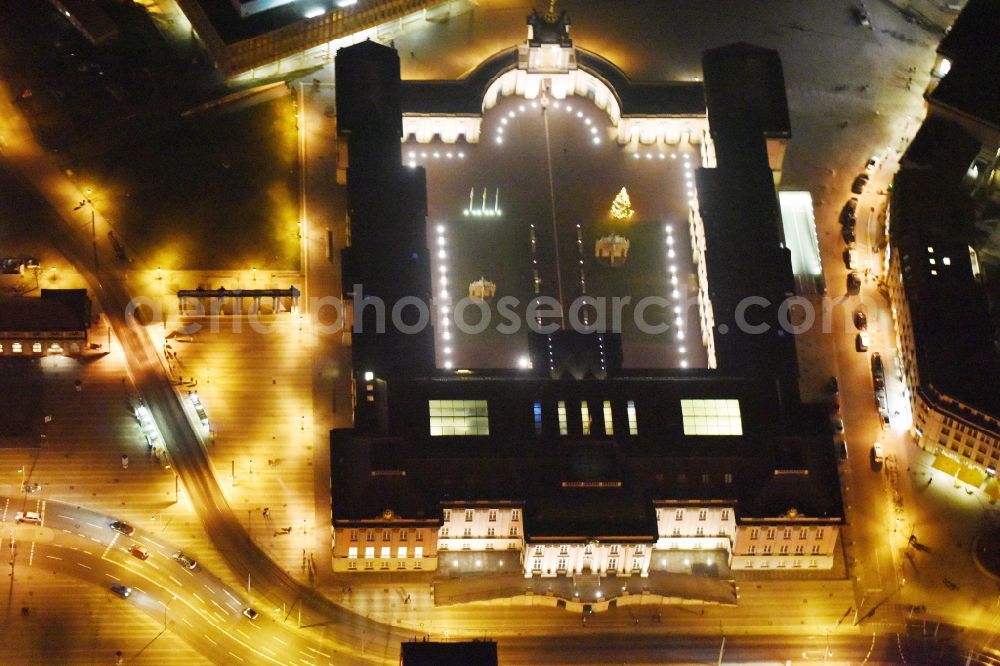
[[878, 371], [860, 320], [860, 14], [848, 234], [121, 590], [834, 386], [250, 613], [849, 213], [858, 186], [124, 528], [853, 283], [185, 561], [842, 449]]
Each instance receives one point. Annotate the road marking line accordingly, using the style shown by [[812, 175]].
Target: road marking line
[[179, 584], [270, 652], [97, 526], [81, 535], [236, 655], [145, 538], [210, 640], [83, 565], [221, 619], [86, 552], [152, 565], [139, 589], [230, 595], [312, 649], [53, 557], [31, 554], [244, 634], [112, 577], [217, 605], [195, 595], [281, 641], [62, 515], [65, 530]]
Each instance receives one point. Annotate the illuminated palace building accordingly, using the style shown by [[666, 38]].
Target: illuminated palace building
[[576, 458]]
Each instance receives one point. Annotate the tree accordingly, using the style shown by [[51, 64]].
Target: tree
[[621, 207]]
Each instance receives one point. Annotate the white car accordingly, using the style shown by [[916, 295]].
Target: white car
[[27, 517], [877, 457], [872, 163]]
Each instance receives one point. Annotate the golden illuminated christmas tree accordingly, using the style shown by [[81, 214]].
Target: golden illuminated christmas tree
[[621, 207]]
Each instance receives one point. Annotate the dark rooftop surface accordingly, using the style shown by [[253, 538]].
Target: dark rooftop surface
[[745, 88], [973, 44], [55, 310]]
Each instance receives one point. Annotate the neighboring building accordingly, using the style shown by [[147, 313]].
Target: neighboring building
[[467, 653], [574, 468], [241, 35], [54, 323], [946, 339], [968, 92]]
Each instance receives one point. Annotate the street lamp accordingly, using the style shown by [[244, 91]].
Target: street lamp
[[88, 201]]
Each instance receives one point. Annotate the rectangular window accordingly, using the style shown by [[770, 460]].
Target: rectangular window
[[386, 535], [513, 531], [700, 531], [354, 535], [770, 534], [609, 421], [538, 418], [633, 423], [819, 533], [754, 533], [491, 531], [752, 550], [815, 549], [679, 515], [404, 535], [468, 515], [784, 549], [561, 565], [515, 514], [447, 515], [725, 514], [585, 417], [458, 417], [369, 552], [537, 565], [385, 553], [37, 347], [467, 532], [16, 347], [418, 552], [401, 552], [369, 535], [493, 515], [420, 535], [563, 427], [787, 534], [711, 417], [702, 514], [613, 564], [352, 552], [614, 549]]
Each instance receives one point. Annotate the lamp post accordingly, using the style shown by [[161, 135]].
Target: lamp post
[[88, 201]]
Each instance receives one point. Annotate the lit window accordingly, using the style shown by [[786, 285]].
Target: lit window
[[37, 347], [515, 514], [447, 515], [385, 553], [468, 515], [609, 424], [401, 552], [633, 424], [563, 427], [418, 552], [585, 417], [16, 347], [354, 535], [352, 553], [458, 417], [369, 552], [711, 417], [538, 418]]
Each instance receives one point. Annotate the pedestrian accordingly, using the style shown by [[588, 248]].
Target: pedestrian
[[413, 56]]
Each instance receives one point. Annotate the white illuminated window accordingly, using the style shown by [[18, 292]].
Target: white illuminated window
[[633, 424], [418, 552], [352, 552], [37, 347], [585, 417], [385, 553], [16, 347], [401, 552], [609, 423], [369, 552], [711, 417], [458, 417], [563, 427]]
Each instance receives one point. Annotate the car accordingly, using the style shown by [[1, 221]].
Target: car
[[853, 283], [121, 590], [834, 386], [860, 14], [842, 448], [11, 266], [877, 457], [860, 182], [848, 214], [862, 341], [835, 404], [250, 613], [860, 320], [185, 561], [28, 517], [883, 417], [851, 259], [837, 424], [872, 164], [848, 234], [124, 528], [139, 551], [878, 371]]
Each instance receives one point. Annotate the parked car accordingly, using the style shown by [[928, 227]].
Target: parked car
[[853, 283], [860, 320], [848, 214], [837, 423], [860, 182], [849, 236], [250, 613], [835, 404], [860, 14], [878, 371], [872, 164], [876, 455], [139, 551], [883, 417], [862, 341], [842, 448], [124, 528], [28, 517], [851, 259], [121, 590], [185, 561], [834, 386]]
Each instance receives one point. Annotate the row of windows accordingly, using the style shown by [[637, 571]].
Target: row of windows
[[781, 564], [783, 550], [352, 565], [490, 531], [787, 533], [702, 513], [586, 421], [17, 347], [515, 515], [589, 550], [387, 535], [449, 418], [385, 552]]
